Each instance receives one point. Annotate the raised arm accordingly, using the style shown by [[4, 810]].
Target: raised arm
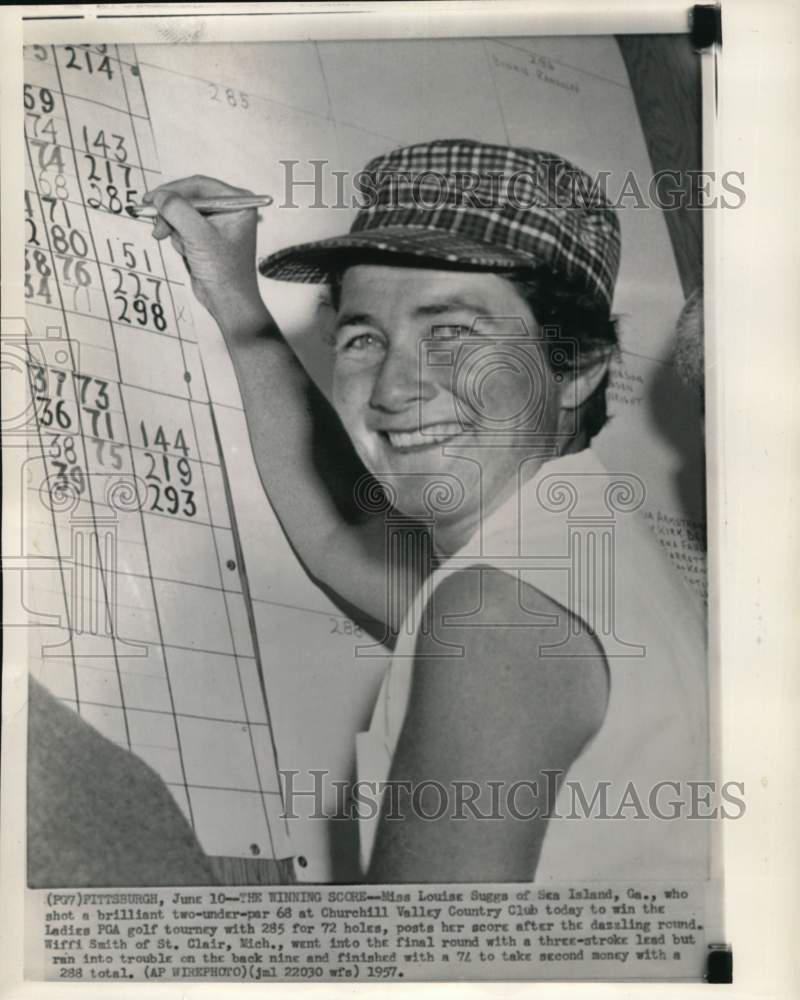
[[304, 458], [503, 713]]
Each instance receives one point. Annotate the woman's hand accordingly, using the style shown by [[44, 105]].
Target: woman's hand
[[219, 250]]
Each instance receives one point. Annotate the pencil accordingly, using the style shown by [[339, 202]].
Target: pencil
[[208, 206]]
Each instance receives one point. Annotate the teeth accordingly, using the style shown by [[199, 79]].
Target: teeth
[[432, 434]]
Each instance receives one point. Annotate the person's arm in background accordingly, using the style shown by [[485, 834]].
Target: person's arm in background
[[504, 711], [97, 814], [284, 409]]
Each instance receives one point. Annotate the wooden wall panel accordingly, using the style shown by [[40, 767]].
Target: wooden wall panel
[[665, 77]]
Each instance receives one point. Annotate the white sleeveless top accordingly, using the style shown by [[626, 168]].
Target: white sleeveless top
[[572, 533]]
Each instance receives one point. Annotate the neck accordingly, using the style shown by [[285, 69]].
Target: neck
[[455, 532]]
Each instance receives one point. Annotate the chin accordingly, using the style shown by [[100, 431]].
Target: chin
[[425, 483]]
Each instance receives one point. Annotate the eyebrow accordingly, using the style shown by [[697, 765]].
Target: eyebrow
[[353, 319], [454, 304]]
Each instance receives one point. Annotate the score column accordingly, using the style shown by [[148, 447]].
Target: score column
[[193, 705]]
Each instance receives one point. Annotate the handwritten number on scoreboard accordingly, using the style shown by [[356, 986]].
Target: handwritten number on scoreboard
[[82, 59], [168, 471], [68, 241], [109, 184], [48, 154], [168, 481], [50, 398], [63, 459], [37, 98], [95, 404], [56, 206], [138, 299], [160, 439], [37, 275], [116, 149], [227, 95], [43, 125]]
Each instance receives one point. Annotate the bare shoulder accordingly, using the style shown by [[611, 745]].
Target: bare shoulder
[[514, 658], [490, 704]]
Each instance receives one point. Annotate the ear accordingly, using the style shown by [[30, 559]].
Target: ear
[[579, 385]]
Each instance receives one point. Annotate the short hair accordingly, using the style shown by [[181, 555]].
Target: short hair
[[577, 316]]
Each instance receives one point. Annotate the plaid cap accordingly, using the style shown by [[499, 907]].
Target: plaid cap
[[473, 205]]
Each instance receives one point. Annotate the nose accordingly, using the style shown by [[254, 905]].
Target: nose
[[401, 382]]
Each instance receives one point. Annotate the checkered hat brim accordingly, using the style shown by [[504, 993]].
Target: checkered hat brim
[[505, 219], [313, 262]]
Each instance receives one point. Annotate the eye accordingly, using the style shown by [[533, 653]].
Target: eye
[[358, 342]]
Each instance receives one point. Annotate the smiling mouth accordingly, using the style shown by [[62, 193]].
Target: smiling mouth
[[428, 437]]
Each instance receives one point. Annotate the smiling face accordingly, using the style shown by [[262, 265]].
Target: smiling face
[[413, 412]]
